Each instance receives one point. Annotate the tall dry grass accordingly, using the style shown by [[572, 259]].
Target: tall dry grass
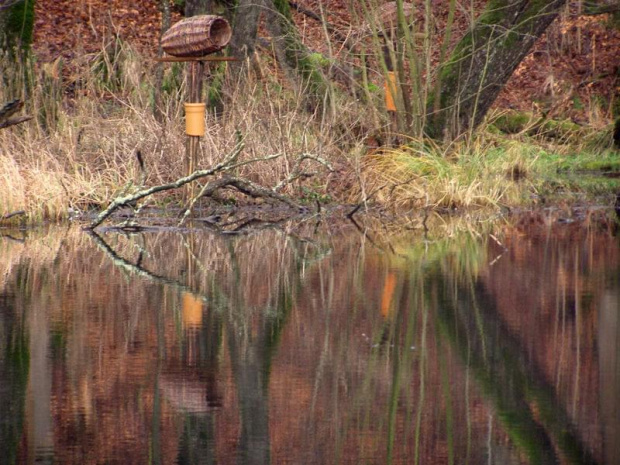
[[80, 148]]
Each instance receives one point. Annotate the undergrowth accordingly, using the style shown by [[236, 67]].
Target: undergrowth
[[491, 170], [84, 152], [80, 149]]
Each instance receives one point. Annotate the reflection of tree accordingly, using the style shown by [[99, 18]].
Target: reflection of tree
[[14, 363], [510, 379], [252, 344]]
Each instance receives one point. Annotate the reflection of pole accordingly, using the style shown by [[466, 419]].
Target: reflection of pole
[[388, 294]]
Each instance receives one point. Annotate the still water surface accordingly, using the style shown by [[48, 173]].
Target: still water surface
[[306, 347]]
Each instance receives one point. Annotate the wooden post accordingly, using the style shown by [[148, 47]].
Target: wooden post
[[196, 73], [196, 68]]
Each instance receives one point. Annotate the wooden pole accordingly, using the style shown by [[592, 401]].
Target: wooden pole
[[196, 72], [195, 79]]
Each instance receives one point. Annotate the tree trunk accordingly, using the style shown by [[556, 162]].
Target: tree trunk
[[16, 24], [164, 6], [292, 54], [197, 7], [483, 61], [245, 31]]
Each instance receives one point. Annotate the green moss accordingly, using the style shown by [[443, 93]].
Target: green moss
[[512, 123]]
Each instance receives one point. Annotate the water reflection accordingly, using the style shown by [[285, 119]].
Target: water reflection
[[290, 346]]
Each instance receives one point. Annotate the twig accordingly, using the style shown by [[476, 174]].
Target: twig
[[296, 172]]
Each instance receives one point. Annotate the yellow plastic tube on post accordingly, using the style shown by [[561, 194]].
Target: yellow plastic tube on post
[[195, 119]]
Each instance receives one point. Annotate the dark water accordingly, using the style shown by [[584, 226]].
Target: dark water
[[292, 346]]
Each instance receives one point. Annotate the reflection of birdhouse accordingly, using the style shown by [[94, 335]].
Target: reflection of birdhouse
[[192, 311], [197, 36]]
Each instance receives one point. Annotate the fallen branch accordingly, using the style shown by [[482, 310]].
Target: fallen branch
[[239, 183], [12, 214], [242, 185], [227, 164], [13, 121]]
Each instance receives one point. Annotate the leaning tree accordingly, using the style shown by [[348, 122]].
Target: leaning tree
[[483, 61]]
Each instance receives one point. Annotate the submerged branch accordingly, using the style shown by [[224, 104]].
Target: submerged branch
[[135, 268]]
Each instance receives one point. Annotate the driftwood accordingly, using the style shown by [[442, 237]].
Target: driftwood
[[8, 110]]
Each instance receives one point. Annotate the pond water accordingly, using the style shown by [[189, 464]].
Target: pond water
[[312, 344]]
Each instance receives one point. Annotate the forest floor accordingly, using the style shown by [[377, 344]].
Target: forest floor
[[572, 72]]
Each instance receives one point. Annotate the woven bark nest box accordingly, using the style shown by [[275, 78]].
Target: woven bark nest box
[[197, 36]]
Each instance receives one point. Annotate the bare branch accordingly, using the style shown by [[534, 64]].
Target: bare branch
[[14, 121], [227, 164]]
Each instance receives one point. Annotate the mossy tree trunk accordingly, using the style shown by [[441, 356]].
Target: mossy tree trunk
[[16, 31], [483, 61], [292, 54]]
